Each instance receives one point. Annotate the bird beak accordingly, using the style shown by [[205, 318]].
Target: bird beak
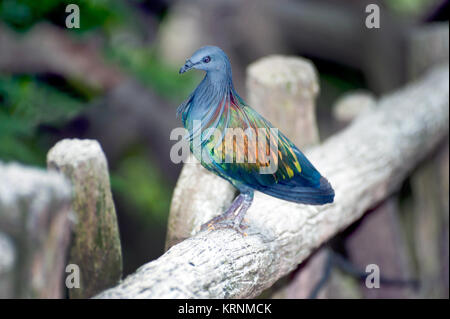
[[186, 67]]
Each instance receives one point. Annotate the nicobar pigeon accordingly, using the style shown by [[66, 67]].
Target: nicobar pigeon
[[215, 106]]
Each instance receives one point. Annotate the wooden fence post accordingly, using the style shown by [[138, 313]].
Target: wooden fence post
[[34, 232], [96, 244], [283, 90]]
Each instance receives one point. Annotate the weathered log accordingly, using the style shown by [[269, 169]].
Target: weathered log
[[96, 244], [365, 163], [34, 232], [379, 238], [353, 104], [195, 186], [284, 90], [320, 267], [306, 278], [428, 218], [311, 272]]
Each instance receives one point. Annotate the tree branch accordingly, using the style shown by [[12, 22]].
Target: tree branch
[[365, 163]]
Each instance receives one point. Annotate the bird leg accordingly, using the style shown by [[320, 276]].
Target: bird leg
[[233, 216]]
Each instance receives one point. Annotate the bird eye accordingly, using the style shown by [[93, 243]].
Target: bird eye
[[206, 59]]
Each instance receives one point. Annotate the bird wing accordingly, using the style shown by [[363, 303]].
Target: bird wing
[[247, 148]]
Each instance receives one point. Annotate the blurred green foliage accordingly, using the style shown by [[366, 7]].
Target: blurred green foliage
[[350, 83], [26, 105], [411, 7], [22, 14], [152, 71], [142, 186], [32, 110]]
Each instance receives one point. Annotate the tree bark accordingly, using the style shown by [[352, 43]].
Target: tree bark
[[365, 163], [311, 271], [428, 219], [96, 244], [283, 90]]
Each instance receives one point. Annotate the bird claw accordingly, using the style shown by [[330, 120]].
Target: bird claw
[[232, 217], [225, 224], [208, 226]]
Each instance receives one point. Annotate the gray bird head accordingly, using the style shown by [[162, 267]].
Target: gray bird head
[[210, 59]]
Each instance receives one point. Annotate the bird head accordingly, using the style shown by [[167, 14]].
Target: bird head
[[208, 58]]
